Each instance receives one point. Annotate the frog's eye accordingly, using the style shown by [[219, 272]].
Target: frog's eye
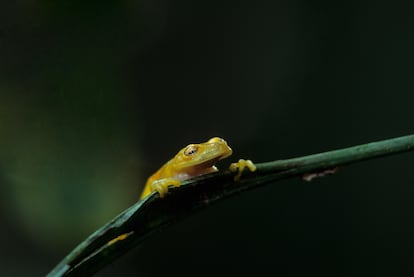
[[190, 150]]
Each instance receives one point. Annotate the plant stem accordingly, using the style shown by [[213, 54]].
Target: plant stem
[[152, 213]]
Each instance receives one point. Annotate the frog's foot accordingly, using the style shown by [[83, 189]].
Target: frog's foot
[[240, 166], [161, 186]]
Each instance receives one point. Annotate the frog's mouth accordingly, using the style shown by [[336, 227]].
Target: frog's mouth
[[210, 162]]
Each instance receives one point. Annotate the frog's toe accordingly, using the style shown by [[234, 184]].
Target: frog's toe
[[161, 186], [240, 166]]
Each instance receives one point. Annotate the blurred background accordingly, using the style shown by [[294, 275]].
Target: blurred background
[[96, 95]]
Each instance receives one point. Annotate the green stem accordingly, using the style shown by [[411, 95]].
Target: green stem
[[152, 213], [346, 155]]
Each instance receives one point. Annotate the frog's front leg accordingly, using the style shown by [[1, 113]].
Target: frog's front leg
[[240, 166], [161, 185]]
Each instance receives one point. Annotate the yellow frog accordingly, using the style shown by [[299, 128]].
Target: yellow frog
[[191, 161]]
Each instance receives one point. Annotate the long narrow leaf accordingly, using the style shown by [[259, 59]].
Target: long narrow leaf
[[153, 213]]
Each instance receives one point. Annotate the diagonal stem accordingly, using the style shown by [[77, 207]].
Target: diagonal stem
[[152, 213]]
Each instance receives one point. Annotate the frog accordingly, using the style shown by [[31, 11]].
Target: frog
[[192, 161]]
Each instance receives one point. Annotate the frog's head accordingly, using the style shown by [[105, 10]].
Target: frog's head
[[202, 155]]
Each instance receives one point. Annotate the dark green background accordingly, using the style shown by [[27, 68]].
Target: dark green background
[[96, 95]]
